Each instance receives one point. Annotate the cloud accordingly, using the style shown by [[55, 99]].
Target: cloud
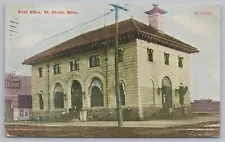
[[19, 69], [192, 24], [30, 39]]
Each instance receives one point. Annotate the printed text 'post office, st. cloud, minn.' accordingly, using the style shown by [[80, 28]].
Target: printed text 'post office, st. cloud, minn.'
[[47, 12]]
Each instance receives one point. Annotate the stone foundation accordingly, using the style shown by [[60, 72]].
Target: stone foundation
[[150, 112], [45, 115], [110, 114]]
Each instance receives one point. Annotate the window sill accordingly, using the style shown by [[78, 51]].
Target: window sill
[[97, 107], [74, 70], [94, 67], [59, 109]]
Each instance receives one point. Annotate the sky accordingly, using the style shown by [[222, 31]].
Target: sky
[[201, 31]]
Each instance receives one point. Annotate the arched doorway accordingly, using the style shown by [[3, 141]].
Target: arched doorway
[[122, 93], [96, 93], [166, 92], [76, 95], [59, 96]]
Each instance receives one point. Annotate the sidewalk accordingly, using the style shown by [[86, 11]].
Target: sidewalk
[[149, 124]]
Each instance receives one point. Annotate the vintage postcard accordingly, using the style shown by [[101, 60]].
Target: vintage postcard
[[137, 69]]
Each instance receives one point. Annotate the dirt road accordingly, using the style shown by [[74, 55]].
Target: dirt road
[[211, 129]]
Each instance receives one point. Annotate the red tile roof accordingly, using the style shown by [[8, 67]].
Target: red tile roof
[[125, 27]]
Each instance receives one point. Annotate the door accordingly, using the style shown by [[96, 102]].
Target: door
[[167, 93], [8, 111], [76, 96]]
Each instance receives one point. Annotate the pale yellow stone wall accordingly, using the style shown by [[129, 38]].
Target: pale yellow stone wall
[[127, 69], [136, 71], [149, 72]]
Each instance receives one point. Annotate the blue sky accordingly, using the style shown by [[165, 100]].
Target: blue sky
[[201, 31]]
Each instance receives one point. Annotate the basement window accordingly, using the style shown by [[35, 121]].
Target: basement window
[[94, 61], [40, 72], [74, 65], [180, 62], [56, 69], [150, 55], [167, 58]]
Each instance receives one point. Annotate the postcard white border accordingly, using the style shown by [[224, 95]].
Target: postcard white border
[[191, 2]]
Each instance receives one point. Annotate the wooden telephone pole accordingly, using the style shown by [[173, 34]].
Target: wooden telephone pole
[[117, 82]]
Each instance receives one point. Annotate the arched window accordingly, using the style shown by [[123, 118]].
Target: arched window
[[41, 102], [59, 96], [96, 93], [122, 93]]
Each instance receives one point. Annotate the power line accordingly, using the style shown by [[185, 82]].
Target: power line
[[73, 28]]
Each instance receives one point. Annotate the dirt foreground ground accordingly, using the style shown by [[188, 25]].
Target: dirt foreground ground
[[207, 127]]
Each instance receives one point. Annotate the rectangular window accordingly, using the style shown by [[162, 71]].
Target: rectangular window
[[94, 61], [120, 55], [167, 58], [74, 65], [21, 112], [56, 69], [180, 62], [40, 72], [26, 113], [150, 55]]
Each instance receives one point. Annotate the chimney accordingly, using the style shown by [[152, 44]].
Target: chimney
[[155, 17]]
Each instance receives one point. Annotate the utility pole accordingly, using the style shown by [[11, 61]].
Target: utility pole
[[117, 82]]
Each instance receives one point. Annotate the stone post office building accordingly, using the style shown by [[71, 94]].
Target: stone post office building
[[80, 72]]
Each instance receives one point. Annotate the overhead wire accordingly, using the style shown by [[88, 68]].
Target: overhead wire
[[79, 26]]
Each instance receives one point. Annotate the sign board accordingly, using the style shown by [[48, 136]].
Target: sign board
[[12, 82]]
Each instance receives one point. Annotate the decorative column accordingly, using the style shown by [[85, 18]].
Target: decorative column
[[68, 95], [85, 99]]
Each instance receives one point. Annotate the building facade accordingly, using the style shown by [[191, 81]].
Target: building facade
[[17, 97], [206, 106], [80, 73]]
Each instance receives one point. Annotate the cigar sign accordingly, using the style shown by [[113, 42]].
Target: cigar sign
[[12, 82]]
